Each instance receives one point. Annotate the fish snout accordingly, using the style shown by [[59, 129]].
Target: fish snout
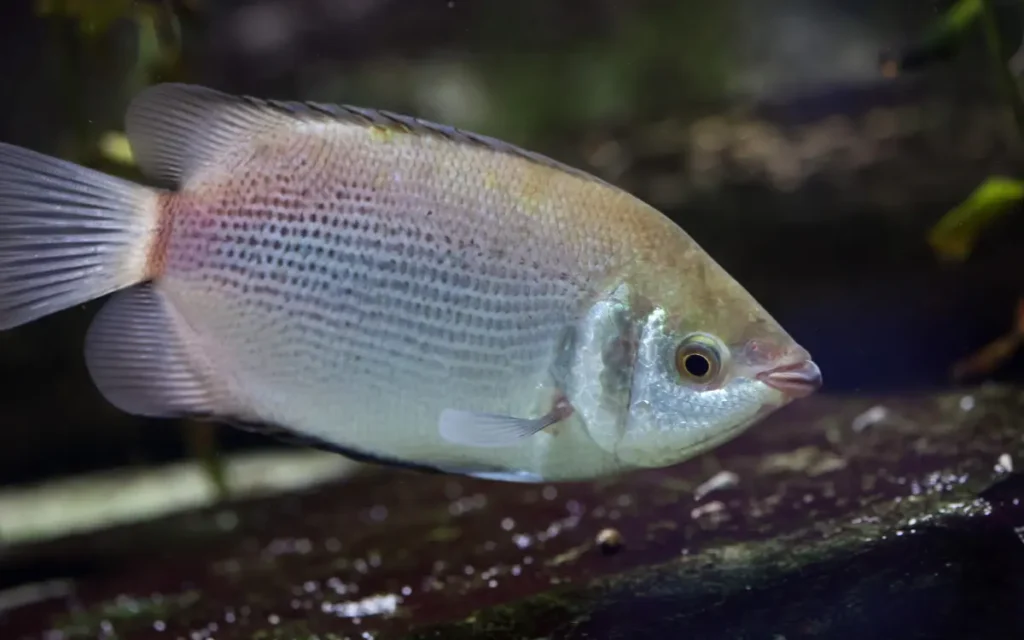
[[796, 379]]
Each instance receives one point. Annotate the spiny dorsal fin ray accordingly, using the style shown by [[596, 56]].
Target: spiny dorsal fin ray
[[177, 129]]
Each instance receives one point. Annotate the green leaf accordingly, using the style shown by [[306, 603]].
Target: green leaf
[[941, 40], [94, 16], [114, 146], [955, 20], [954, 235]]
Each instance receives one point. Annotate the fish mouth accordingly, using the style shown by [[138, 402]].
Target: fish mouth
[[796, 380]]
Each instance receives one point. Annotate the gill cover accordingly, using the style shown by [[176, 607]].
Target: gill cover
[[596, 362], [671, 418]]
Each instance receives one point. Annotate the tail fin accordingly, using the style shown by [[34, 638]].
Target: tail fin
[[68, 234]]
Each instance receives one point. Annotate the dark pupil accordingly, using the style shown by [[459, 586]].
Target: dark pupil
[[697, 365]]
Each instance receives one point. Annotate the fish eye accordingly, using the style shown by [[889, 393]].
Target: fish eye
[[698, 359]]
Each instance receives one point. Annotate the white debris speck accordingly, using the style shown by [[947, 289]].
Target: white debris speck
[[966, 403], [1005, 464], [870, 418], [384, 604], [721, 480], [711, 507]]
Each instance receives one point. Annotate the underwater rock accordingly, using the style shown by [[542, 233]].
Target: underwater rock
[[839, 517]]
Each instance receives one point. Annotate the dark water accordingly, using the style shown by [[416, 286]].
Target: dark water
[[830, 176]]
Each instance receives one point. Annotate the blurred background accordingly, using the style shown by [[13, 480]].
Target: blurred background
[[779, 134]]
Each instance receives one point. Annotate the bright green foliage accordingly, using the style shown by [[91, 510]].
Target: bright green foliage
[[954, 236]]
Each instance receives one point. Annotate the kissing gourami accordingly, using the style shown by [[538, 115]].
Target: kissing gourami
[[391, 289]]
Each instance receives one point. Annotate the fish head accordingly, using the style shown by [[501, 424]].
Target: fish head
[[703, 361]]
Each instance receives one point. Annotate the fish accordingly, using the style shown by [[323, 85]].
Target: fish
[[392, 289]]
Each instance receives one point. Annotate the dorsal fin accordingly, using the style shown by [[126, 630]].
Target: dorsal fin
[[176, 129]]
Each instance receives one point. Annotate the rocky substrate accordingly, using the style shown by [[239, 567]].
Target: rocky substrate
[[840, 517]]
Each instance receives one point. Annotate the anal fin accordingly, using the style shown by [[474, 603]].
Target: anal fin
[[295, 438], [519, 476], [289, 436], [138, 358]]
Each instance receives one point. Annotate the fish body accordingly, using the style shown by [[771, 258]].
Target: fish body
[[392, 289]]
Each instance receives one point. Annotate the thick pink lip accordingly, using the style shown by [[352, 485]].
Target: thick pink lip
[[796, 380]]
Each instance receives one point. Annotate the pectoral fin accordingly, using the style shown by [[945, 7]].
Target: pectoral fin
[[474, 429], [487, 429]]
